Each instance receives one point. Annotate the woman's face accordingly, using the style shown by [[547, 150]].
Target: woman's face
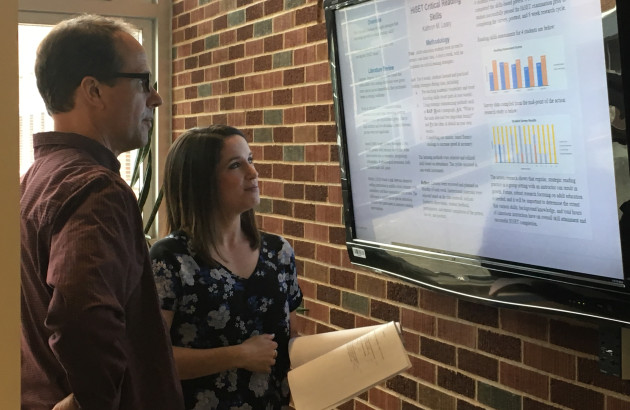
[[237, 177]]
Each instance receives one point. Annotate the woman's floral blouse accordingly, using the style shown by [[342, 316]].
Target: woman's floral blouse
[[214, 308]]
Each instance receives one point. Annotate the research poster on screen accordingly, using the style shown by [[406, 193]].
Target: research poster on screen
[[482, 127]]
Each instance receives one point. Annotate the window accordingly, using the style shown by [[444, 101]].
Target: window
[[33, 115], [152, 18]]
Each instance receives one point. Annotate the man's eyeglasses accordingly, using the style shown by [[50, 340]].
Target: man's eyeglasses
[[145, 77]]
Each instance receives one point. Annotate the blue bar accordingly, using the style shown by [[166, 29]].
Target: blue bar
[[502, 69], [491, 77], [514, 76], [539, 72], [527, 85]]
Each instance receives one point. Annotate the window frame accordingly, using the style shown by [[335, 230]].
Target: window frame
[[153, 18]]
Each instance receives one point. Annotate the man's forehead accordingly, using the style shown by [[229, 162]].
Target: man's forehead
[[131, 52]]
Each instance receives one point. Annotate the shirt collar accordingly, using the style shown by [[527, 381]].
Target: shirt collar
[[97, 150]]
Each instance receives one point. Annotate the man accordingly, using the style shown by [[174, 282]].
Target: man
[[92, 334]]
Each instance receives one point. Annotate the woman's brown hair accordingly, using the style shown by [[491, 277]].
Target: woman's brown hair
[[191, 189]]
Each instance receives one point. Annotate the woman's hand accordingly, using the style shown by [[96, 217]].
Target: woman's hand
[[259, 353]]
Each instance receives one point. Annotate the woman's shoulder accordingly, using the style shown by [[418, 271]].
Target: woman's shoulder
[[175, 242], [272, 240]]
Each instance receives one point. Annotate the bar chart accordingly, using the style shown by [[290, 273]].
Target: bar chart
[[518, 74], [525, 144]]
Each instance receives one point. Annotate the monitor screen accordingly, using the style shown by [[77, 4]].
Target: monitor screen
[[483, 132]]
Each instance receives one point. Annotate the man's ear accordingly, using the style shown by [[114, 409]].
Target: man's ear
[[90, 90]]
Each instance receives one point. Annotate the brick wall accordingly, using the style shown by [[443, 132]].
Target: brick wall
[[262, 66]]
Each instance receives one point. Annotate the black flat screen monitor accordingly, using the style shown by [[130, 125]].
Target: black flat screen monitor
[[483, 147]]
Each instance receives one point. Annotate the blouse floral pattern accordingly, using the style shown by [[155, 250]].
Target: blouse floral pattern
[[214, 308]]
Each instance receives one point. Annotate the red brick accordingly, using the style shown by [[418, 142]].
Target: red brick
[[437, 350], [423, 369], [580, 338], [305, 55], [273, 79], [304, 211], [482, 365], [273, 43], [316, 153], [384, 311], [295, 38], [271, 224], [329, 214], [371, 286], [283, 134], [499, 345], [411, 341], [327, 254], [318, 73], [305, 133], [283, 22], [304, 173], [438, 302], [317, 311], [316, 33], [237, 51], [293, 228], [227, 38], [317, 113], [526, 381], [282, 97], [236, 119], [317, 193], [220, 55], [244, 67], [305, 249], [204, 28], [327, 133], [613, 403], [457, 333], [402, 293], [337, 235], [282, 207], [245, 33], [342, 278], [254, 47], [271, 188], [316, 232], [308, 288], [283, 172], [294, 115], [293, 76], [575, 397], [262, 63], [383, 400], [418, 321], [255, 11], [324, 92], [219, 23], [263, 99], [273, 153], [342, 319], [304, 95], [306, 15], [549, 360], [294, 191], [524, 323], [456, 382], [334, 195], [316, 271]]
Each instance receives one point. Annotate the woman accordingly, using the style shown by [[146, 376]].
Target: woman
[[228, 292]]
